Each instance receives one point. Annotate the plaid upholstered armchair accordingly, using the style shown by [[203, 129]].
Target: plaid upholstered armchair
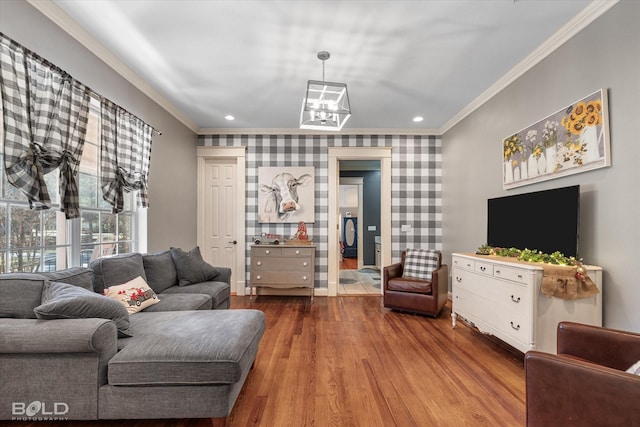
[[419, 283]]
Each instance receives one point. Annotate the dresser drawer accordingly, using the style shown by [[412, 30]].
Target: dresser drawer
[[284, 279], [266, 251], [282, 263], [465, 263], [513, 274], [483, 267], [297, 252]]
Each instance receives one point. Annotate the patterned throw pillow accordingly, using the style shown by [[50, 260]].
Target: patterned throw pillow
[[135, 295], [420, 263]]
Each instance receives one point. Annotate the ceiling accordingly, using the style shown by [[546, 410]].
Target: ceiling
[[204, 59]]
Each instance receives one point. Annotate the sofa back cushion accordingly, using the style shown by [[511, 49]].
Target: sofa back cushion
[[160, 270], [116, 270], [79, 276], [20, 293]]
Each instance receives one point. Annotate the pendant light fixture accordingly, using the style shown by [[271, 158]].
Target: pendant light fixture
[[326, 104]]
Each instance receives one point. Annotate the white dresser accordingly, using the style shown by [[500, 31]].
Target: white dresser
[[282, 266], [504, 299]]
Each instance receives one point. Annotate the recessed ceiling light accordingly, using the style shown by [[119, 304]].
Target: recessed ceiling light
[[418, 119], [229, 117]]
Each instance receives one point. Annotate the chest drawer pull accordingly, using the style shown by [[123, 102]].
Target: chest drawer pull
[[258, 277], [297, 252], [259, 263], [483, 268], [458, 279], [515, 299], [267, 252], [305, 264], [304, 277], [468, 265], [516, 327]]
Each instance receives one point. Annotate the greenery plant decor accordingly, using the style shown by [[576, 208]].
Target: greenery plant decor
[[529, 255]]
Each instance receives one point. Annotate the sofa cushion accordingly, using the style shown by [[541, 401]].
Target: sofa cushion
[[79, 276], [116, 270], [135, 295], [218, 291], [65, 301], [191, 268], [420, 263], [20, 293], [188, 348], [416, 286], [177, 302], [160, 270]]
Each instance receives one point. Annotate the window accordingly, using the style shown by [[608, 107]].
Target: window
[[32, 240]]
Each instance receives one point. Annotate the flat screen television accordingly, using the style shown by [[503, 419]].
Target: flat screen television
[[547, 220]]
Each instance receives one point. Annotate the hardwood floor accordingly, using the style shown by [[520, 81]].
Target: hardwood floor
[[349, 264], [347, 361]]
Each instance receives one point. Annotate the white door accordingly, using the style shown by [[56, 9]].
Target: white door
[[219, 216]]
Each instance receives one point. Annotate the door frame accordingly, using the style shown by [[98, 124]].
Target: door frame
[[238, 278], [358, 153]]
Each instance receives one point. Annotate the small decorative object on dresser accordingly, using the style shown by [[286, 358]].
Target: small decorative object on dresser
[[506, 299], [282, 267]]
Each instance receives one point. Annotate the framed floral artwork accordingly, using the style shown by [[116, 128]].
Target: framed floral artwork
[[572, 140]]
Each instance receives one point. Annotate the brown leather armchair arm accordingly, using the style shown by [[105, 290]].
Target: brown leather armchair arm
[[564, 391], [607, 347], [585, 384], [440, 284], [390, 272]]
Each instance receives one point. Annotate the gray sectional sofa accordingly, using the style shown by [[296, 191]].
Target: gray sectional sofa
[[68, 352]]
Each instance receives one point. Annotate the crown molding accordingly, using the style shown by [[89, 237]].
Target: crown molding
[[589, 14], [296, 131], [49, 9]]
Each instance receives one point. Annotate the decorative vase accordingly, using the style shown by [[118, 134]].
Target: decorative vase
[[524, 173], [589, 137], [532, 170], [508, 172], [550, 154], [542, 164]]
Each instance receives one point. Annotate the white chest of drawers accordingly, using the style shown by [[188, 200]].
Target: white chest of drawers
[[282, 266], [504, 299]]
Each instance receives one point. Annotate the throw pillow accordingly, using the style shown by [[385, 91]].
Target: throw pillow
[[191, 268], [420, 263], [79, 276], [20, 293], [65, 301], [635, 368], [115, 270], [160, 270], [135, 295]]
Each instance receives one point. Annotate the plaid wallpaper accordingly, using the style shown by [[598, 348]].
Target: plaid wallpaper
[[416, 182]]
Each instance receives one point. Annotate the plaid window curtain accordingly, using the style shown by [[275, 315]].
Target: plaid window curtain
[[45, 115], [125, 155]]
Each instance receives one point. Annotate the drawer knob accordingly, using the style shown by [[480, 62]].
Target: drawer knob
[[516, 327], [258, 277], [259, 263], [267, 252], [458, 279], [483, 268], [519, 276], [297, 252], [515, 299], [304, 277], [497, 271], [469, 265], [304, 263]]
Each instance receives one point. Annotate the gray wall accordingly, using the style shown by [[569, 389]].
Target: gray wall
[[171, 217], [604, 55]]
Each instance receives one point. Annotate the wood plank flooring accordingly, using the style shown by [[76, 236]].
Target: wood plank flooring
[[347, 361]]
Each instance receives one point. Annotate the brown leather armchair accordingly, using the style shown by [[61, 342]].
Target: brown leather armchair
[[415, 295], [585, 384]]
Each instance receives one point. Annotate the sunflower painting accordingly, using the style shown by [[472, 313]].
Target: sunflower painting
[[572, 140]]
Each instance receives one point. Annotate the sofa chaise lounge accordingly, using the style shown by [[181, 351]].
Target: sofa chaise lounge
[[177, 358]]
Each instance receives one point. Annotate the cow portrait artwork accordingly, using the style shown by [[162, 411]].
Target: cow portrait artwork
[[286, 194]]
